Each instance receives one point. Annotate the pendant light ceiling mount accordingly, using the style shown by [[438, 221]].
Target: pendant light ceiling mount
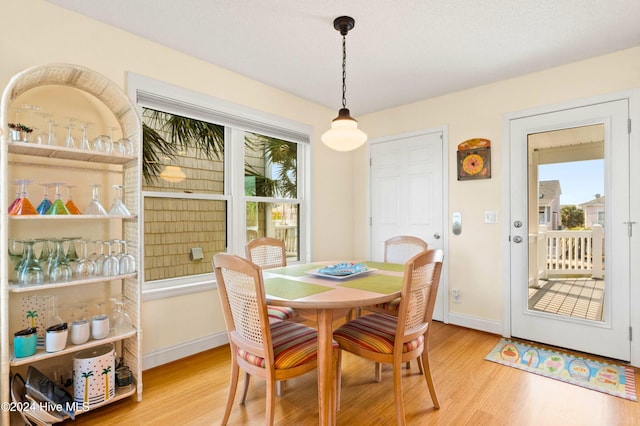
[[344, 134]]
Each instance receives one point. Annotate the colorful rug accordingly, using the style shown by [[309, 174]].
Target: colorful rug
[[603, 377]]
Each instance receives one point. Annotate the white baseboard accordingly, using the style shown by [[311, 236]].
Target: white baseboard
[[183, 350], [494, 327]]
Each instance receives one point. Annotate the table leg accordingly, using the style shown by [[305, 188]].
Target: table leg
[[326, 375]]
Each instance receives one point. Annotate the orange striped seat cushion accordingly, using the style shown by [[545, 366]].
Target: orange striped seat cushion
[[375, 332], [293, 344], [392, 306], [280, 312]]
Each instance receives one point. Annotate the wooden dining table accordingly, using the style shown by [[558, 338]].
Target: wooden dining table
[[324, 299]]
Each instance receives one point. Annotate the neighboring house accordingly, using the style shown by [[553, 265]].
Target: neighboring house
[[593, 211], [549, 204]]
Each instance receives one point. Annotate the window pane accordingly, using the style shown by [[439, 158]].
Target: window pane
[[270, 167], [173, 227], [182, 154], [275, 220]]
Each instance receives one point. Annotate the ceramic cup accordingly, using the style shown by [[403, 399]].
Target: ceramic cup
[[25, 342], [100, 326], [56, 337], [80, 331]]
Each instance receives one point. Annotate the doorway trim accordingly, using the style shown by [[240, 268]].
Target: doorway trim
[[633, 97], [444, 275]]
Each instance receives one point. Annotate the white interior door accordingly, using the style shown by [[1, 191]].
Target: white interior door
[[609, 335], [407, 194]]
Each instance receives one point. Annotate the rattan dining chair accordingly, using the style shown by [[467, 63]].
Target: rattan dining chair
[[270, 253], [395, 340], [273, 350]]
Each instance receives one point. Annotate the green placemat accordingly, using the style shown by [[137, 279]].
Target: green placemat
[[294, 270], [290, 289], [397, 267], [378, 283]]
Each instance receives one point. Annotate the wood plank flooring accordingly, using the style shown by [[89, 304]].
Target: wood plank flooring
[[472, 391]]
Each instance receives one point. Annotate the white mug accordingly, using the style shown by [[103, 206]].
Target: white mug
[[100, 326], [80, 332]]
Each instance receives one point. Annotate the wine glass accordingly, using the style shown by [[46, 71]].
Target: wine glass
[[59, 268], [98, 256], [45, 204], [21, 205], [46, 252], [120, 319], [58, 207], [15, 249], [41, 136], [94, 207], [84, 266], [111, 264], [70, 142], [125, 147], [127, 261], [29, 270], [118, 208], [52, 139], [70, 205], [103, 143], [84, 140]]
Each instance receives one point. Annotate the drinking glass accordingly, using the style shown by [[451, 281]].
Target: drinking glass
[[40, 129], [118, 208], [59, 268], [98, 256], [84, 140], [127, 261], [71, 255], [120, 320], [111, 264], [52, 139], [84, 266], [80, 326], [94, 207], [58, 207], [100, 323], [15, 249], [44, 257], [103, 143], [45, 204], [29, 270], [70, 205], [70, 142], [21, 205], [124, 147]]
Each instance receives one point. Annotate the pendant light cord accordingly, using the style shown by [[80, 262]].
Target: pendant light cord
[[344, 71]]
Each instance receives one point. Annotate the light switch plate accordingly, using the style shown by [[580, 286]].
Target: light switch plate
[[491, 216]]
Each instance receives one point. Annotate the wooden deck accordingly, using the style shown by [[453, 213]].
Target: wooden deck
[[577, 297]]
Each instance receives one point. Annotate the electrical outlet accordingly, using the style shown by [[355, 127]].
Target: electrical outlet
[[455, 293]]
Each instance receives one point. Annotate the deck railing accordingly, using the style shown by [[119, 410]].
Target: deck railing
[[566, 253]]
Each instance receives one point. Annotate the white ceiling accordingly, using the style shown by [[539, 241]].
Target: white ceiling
[[400, 51]]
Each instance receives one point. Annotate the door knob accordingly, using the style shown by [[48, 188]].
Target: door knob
[[436, 236], [517, 224], [517, 239]]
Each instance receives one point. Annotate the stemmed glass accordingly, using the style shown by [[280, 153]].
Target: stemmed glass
[[21, 205], [70, 142], [120, 320], [98, 256], [15, 250], [111, 264], [94, 207], [84, 140], [59, 268], [42, 136], [58, 207], [127, 261], [52, 139], [45, 204], [29, 270], [118, 208], [45, 254], [70, 205], [84, 266]]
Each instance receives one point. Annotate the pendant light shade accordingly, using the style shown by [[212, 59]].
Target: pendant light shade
[[344, 134]]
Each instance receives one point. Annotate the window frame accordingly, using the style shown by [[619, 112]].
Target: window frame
[[236, 119]]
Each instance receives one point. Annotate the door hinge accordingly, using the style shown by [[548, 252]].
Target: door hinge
[[629, 125], [630, 228], [630, 333]]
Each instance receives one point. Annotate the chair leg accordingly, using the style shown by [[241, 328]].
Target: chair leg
[[233, 384], [420, 366], [378, 368], [338, 382], [427, 376], [279, 387], [245, 386], [271, 400], [408, 365], [397, 391]]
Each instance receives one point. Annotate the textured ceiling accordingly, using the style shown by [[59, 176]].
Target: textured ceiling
[[399, 51]]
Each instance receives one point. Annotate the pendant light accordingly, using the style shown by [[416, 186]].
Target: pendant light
[[344, 134]]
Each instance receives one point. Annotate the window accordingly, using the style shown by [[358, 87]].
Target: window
[[215, 177], [601, 217]]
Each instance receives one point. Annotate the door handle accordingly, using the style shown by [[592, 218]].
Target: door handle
[[436, 236], [517, 239]]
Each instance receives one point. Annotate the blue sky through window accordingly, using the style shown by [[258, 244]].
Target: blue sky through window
[[580, 181]]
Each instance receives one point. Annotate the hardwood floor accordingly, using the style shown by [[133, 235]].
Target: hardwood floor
[[472, 391]]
